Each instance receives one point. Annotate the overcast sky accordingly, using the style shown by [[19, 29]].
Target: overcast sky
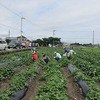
[[72, 20]]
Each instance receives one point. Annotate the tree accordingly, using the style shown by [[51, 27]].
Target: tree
[[8, 41], [47, 41], [40, 42]]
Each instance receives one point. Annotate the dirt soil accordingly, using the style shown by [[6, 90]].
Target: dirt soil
[[4, 85], [74, 92], [33, 86], [98, 84], [21, 68]]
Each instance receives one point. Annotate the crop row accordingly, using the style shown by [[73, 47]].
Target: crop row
[[55, 85], [7, 71], [18, 82], [91, 57], [89, 72]]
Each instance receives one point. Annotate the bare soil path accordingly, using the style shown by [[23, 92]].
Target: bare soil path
[[98, 84], [4, 85], [74, 92], [33, 86]]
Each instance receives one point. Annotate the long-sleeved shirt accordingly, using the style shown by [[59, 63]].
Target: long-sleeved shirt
[[58, 55]]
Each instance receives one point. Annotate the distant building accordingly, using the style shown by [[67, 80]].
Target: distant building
[[25, 41], [23, 38], [34, 43]]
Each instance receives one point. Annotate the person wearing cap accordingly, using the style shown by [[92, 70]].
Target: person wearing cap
[[58, 56]]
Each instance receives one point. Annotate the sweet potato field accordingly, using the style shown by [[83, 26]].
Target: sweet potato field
[[74, 79]]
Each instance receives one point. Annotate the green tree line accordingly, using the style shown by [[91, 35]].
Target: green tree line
[[50, 40]]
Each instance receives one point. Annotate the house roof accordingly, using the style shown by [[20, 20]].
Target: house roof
[[22, 36]]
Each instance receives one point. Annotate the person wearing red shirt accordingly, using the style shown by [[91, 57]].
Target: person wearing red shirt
[[35, 56]]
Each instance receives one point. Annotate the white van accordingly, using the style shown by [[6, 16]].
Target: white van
[[3, 45]]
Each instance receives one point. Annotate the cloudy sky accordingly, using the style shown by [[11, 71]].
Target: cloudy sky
[[72, 20]]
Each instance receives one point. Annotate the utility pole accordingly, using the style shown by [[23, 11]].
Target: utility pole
[[53, 36], [9, 34], [93, 37], [54, 32], [21, 27]]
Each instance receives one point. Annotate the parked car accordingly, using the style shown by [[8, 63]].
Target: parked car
[[3, 45], [15, 44]]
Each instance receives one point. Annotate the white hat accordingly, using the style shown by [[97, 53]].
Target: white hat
[[55, 52], [33, 51]]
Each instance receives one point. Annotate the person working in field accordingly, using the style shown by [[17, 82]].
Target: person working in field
[[33, 50], [58, 56], [35, 56], [45, 59], [70, 53], [66, 51]]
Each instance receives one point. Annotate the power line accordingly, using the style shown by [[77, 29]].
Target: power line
[[9, 10], [35, 24], [76, 31], [16, 13], [30, 21], [10, 27]]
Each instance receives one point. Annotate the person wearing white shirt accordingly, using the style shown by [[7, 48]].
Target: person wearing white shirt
[[71, 52], [58, 56]]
